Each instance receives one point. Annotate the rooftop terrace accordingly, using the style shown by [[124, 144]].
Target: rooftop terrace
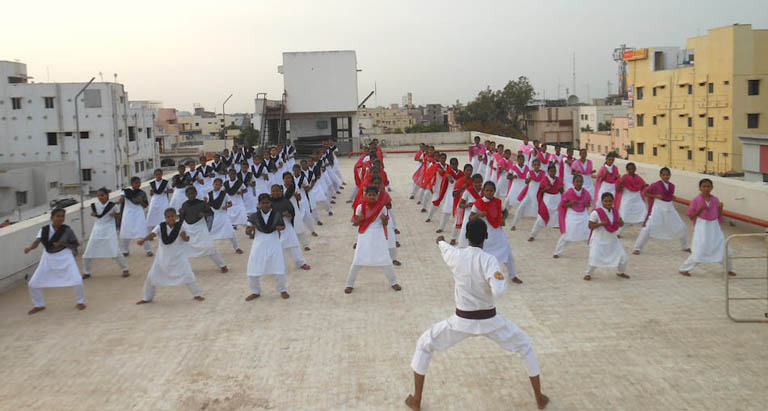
[[656, 341]]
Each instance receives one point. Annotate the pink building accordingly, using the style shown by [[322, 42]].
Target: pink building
[[604, 142]]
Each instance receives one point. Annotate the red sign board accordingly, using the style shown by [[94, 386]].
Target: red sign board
[[637, 54]]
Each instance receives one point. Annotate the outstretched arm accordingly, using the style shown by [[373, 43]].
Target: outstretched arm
[[32, 246]]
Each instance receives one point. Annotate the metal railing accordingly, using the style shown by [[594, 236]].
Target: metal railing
[[728, 278]]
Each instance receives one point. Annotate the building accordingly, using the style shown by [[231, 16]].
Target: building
[[384, 120], [603, 142], [690, 104], [37, 125], [755, 156], [320, 101], [27, 186], [433, 114], [596, 118], [550, 122], [416, 114], [407, 100]]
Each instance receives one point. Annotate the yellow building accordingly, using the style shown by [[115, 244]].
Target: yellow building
[[689, 105], [387, 119]]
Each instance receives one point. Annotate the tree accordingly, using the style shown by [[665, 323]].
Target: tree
[[516, 95], [248, 136], [498, 109], [427, 128], [604, 126]]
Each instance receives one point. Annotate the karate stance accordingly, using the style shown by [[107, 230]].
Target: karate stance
[[103, 242]]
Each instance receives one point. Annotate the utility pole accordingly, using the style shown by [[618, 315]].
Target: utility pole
[[79, 159], [224, 117]]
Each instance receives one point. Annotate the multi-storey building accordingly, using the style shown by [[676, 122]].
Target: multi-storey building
[[433, 114], [385, 119], [37, 125], [590, 118], [550, 121], [615, 140], [691, 104]]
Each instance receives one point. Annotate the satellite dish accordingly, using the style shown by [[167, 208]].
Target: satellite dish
[[573, 100]]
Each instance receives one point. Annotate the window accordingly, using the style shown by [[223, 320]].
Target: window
[[690, 154], [86, 174], [690, 89], [725, 117], [16, 103], [711, 88], [753, 120], [197, 124], [136, 167], [690, 121], [726, 82], [48, 102], [655, 151], [85, 134], [142, 166], [640, 120], [753, 87], [52, 140], [654, 120], [67, 134], [53, 184], [639, 93], [654, 91], [710, 121], [710, 156], [21, 198], [120, 132], [125, 170], [640, 148], [131, 133], [149, 132]]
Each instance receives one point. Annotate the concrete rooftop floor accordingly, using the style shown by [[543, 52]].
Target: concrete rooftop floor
[[658, 341]]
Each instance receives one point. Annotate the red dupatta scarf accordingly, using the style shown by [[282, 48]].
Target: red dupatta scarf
[[535, 176], [444, 184], [547, 187], [667, 194], [492, 210], [631, 182], [461, 211], [426, 164], [370, 213], [460, 185], [611, 177]]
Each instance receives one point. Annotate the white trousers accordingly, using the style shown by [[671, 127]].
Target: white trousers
[[415, 190], [149, 289], [255, 284], [36, 294], [389, 271], [426, 195], [443, 336], [645, 234], [455, 234], [621, 268], [561, 243], [308, 222], [689, 263], [126, 242], [295, 254], [393, 253], [88, 263], [537, 226], [354, 193], [432, 209], [303, 238], [235, 242]]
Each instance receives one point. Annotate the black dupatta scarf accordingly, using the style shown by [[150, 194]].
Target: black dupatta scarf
[[63, 235], [169, 237], [104, 212]]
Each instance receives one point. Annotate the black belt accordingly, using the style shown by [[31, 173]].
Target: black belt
[[476, 315]]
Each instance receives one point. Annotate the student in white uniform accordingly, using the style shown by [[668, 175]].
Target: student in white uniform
[[158, 191], [133, 223], [529, 204], [371, 218], [551, 191], [103, 242], [517, 174], [605, 249], [235, 189], [266, 257], [300, 179], [446, 205], [629, 198], [57, 267], [471, 195], [221, 227], [489, 209], [478, 282], [288, 237], [293, 195], [249, 200], [171, 266], [196, 176], [664, 222], [193, 216], [573, 213], [206, 173], [179, 184], [708, 243]]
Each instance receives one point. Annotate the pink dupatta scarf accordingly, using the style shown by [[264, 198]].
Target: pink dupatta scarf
[[612, 226], [538, 177], [583, 168], [604, 175], [711, 212], [631, 182], [519, 173], [582, 200], [667, 194], [547, 187]]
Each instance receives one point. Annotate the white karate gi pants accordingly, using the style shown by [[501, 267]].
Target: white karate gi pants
[[561, 243]]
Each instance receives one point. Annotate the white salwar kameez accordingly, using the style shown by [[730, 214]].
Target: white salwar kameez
[[664, 223], [237, 214], [55, 270], [467, 211], [576, 227], [516, 187], [632, 209], [605, 249], [178, 198], [200, 243], [371, 250], [103, 242], [497, 244], [171, 266], [707, 245], [266, 258], [157, 206]]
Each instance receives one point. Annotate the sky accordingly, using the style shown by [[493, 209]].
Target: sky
[[200, 52]]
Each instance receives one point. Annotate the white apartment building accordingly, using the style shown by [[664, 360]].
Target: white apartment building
[[37, 124], [592, 116]]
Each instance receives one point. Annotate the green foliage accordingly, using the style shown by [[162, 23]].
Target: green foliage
[[604, 126], [248, 136], [498, 109], [427, 128]]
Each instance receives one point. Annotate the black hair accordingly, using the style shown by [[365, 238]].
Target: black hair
[[243, 163], [58, 210], [156, 170], [579, 176], [519, 156], [295, 166], [551, 166], [454, 160], [169, 210], [103, 190], [476, 176], [265, 196], [218, 179], [467, 165], [231, 170], [663, 169], [535, 160], [706, 180], [181, 165], [371, 189], [491, 183], [276, 185], [606, 194], [303, 161], [134, 178], [611, 154], [375, 179], [443, 155], [631, 164], [190, 189], [477, 231], [287, 173]]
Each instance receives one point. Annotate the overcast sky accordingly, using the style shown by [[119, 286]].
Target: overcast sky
[[189, 52]]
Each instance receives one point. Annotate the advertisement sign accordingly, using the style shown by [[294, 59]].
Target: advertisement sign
[[631, 120], [626, 103], [637, 54]]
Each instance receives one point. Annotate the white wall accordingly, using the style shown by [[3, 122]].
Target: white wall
[[35, 179], [320, 81]]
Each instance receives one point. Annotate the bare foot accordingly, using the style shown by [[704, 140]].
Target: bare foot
[[319, 223], [618, 236], [731, 273], [418, 202], [80, 306], [199, 298], [36, 310], [348, 290], [517, 280], [397, 244], [397, 231], [285, 295], [438, 231], [333, 202], [410, 198], [623, 275], [530, 239], [238, 251], [685, 273], [126, 273], [307, 249], [423, 210], [314, 234], [636, 252], [305, 267], [354, 246], [427, 220], [513, 228], [126, 254], [587, 277], [413, 403], [150, 254], [687, 250], [87, 276], [396, 263], [542, 402], [349, 201], [330, 213], [397, 287], [140, 302], [224, 269], [453, 242], [252, 297], [555, 256]]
